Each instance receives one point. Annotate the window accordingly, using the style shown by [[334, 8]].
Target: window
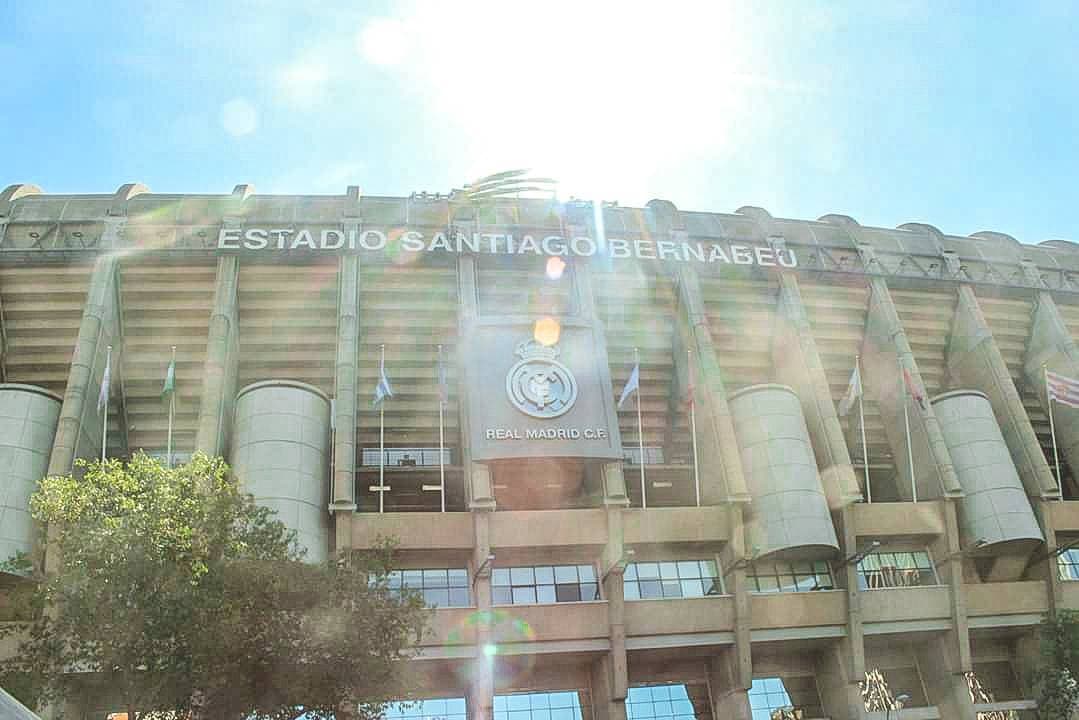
[[1068, 564], [543, 584], [681, 579], [669, 702], [571, 705], [439, 587], [769, 696], [790, 577], [440, 709], [407, 457], [896, 569]]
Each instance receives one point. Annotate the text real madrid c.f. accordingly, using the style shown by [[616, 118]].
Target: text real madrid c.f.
[[328, 240]]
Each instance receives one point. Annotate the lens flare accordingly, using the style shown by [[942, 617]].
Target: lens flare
[[547, 331]]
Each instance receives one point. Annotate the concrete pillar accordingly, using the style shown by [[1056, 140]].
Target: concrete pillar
[[950, 555], [974, 361], [346, 378], [720, 458], [1052, 347], [479, 490], [220, 372], [798, 364], [481, 692], [737, 672], [853, 656], [613, 667], [886, 354], [943, 672], [838, 680], [729, 690], [78, 432]]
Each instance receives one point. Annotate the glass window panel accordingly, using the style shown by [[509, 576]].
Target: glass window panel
[[692, 588], [587, 573], [519, 715], [568, 593], [500, 576], [458, 597], [501, 596], [562, 714], [522, 576], [413, 578], [563, 699], [689, 569], [457, 577], [393, 579], [648, 571], [540, 700], [589, 591], [565, 574], [631, 572], [708, 568], [524, 595], [500, 702], [545, 594], [767, 584], [541, 713], [519, 701], [651, 589], [672, 589], [668, 570], [711, 587], [434, 578], [632, 591], [545, 576], [438, 597]]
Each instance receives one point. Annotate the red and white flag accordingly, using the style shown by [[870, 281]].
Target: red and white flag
[[1063, 389], [913, 390]]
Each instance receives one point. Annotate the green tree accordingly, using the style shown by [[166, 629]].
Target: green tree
[[176, 593], [1054, 680]]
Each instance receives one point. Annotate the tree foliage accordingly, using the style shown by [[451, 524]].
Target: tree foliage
[[174, 592], [1055, 680]]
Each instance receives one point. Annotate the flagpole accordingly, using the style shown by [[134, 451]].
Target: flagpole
[[861, 422], [693, 426], [172, 408], [382, 438], [640, 428], [105, 414], [906, 424], [1052, 426], [441, 434]]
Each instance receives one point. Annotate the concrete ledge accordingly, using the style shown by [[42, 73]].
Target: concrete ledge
[[677, 524], [899, 604], [1064, 515], [808, 609], [413, 531], [922, 713], [888, 519], [1069, 595], [687, 616], [451, 626], [1009, 598], [538, 528], [545, 623]]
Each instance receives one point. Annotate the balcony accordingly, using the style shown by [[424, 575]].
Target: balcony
[[539, 528], [414, 531], [780, 611], [677, 524], [1007, 603], [450, 626], [885, 519], [686, 616], [584, 623], [892, 605]]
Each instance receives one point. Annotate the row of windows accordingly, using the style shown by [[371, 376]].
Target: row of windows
[[544, 584]]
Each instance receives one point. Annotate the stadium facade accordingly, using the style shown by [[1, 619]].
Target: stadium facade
[[618, 446]]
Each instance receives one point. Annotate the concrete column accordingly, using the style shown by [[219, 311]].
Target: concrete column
[[614, 667], [949, 553], [720, 458], [798, 364], [1051, 346], [943, 672], [479, 489], [346, 372], [974, 361], [886, 353], [729, 690], [737, 664], [838, 680], [78, 432], [853, 669], [220, 373], [481, 692]]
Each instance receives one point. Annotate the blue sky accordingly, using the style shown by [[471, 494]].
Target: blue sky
[[965, 116]]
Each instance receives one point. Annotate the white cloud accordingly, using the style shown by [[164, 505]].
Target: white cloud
[[303, 82], [239, 117], [383, 41]]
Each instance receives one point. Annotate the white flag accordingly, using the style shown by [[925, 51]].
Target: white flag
[[854, 391], [1063, 389], [632, 385], [383, 389], [103, 396]]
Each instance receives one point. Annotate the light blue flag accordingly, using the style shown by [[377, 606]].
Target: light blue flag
[[103, 396], [383, 389], [632, 385]]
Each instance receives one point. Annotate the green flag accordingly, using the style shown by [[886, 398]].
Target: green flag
[[170, 381]]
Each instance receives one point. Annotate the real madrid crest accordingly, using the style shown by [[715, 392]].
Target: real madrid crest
[[538, 385]]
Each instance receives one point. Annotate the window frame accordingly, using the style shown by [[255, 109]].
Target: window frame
[[631, 576], [894, 551], [524, 579], [461, 574], [753, 576]]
